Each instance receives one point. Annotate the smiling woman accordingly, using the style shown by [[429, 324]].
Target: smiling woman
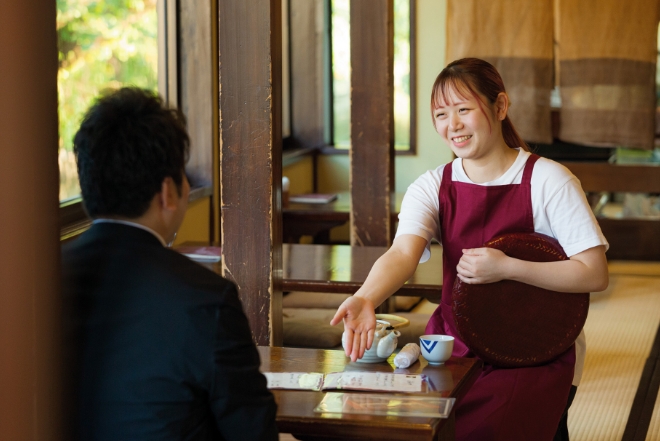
[[101, 45], [494, 186]]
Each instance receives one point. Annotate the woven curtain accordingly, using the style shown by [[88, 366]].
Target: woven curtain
[[607, 58], [516, 37]]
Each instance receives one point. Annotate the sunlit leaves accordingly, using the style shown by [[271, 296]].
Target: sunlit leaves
[[102, 44]]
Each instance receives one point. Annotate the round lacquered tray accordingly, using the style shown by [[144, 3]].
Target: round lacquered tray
[[512, 324]]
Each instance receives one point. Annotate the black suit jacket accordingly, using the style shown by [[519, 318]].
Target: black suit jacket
[[157, 346]]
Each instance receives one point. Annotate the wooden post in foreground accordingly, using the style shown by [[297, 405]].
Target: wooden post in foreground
[[250, 69], [30, 302]]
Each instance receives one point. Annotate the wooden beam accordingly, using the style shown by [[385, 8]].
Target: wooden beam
[[30, 300], [249, 45], [372, 121]]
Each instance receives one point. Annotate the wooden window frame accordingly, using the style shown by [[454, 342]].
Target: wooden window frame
[[329, 148], [73, 218]]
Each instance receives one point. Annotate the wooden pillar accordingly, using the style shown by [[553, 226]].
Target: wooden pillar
[[30, 299], [372, 121], [250, 69]]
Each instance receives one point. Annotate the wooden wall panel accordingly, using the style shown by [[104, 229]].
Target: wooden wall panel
[[30, 301], [249, 46], [372, 121]]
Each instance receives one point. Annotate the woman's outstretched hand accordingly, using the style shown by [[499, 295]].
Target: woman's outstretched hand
[[359, 325]]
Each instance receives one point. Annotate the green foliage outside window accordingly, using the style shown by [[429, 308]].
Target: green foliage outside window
[[101, 45]]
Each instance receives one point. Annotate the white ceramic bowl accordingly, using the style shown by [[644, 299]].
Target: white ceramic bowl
[[436, 348]]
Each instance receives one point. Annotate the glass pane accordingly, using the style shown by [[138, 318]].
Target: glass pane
[[657, 74], [402, 74], [101, 45], [341, 73]]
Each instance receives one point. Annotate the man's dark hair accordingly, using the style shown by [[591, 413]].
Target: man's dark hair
[[127, 144]]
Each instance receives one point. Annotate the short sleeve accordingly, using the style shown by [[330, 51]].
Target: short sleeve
[[571, 220], [419, 213]]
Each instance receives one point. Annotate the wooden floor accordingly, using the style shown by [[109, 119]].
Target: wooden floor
[[621, 328]]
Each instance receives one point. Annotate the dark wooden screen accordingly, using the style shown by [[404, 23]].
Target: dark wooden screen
[[250, 66], [372, 121]]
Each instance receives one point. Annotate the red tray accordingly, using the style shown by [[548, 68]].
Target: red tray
[[512, 324]]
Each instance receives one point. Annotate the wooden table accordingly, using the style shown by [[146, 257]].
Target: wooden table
[[295, 412], [317, 220], [343, 269]]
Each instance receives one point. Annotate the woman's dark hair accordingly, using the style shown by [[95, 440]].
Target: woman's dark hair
[[478, 77], [127, 144]]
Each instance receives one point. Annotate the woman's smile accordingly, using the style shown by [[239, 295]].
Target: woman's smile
[[460, 141]]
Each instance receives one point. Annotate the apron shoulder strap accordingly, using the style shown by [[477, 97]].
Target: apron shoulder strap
[[445, 185], [446, 176], [529, 167]]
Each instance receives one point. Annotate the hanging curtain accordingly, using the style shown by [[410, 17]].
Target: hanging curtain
[[516, 37], [607, 59]]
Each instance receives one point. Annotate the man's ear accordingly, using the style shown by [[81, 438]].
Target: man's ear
[[169, 195], [501, 106]]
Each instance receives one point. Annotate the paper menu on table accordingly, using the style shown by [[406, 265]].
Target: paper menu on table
[[375, 381], [381, 381], [294, 380]]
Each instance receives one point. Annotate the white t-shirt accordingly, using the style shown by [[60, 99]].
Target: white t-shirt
[[559, 206]]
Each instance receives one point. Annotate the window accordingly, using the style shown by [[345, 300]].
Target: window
[[101, 45], [341, 74]]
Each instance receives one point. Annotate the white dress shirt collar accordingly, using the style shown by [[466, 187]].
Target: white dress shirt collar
[[131, 224]]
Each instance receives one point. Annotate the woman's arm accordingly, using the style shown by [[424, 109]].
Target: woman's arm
[[583, 272], [387, 275]]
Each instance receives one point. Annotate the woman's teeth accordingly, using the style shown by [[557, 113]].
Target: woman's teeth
[[462, 138]]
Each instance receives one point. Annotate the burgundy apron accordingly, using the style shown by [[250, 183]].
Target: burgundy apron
[[504, 404]]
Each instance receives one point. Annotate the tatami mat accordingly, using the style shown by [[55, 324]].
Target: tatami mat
[[620, 329], [654, 428]]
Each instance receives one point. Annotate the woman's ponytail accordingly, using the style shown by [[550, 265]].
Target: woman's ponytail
[[511, 136]]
